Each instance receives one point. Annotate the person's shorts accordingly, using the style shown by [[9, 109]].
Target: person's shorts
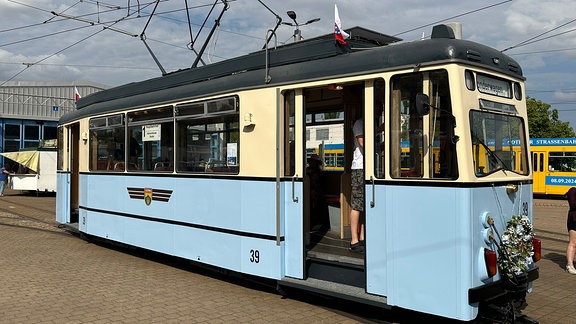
[[357, 198], [571, 223]]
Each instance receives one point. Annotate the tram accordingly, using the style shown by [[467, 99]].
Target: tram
[[554, 161], [209, 164]]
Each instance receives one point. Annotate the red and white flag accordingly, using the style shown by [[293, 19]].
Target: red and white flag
[[76, 94], [339, 34]]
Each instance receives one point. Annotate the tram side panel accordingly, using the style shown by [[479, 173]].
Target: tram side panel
[[426, 251], [427, 254], [224, 223], [292, 229]]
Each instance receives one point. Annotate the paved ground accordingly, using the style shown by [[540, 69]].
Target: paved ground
[[554, 297], [50, 276]]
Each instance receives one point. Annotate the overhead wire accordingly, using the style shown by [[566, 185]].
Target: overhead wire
[[28, 65], [70, 7], [164, 15], [86, 65], [52, 20], [545, 51], [456, 16], [159, 14], [111, 8], [535, 38], [44, 36]]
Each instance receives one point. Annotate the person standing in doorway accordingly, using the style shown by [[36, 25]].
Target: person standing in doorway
[[571, 225], [357, 197], [3, 179]]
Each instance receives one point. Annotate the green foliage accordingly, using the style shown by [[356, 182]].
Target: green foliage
[[544, 122]]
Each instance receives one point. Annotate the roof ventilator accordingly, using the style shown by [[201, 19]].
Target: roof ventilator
[[450, 30]]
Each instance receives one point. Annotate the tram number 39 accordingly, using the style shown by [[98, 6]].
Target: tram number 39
[[254, 256]]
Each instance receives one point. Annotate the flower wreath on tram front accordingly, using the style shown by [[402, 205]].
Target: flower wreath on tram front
[[516, 247]]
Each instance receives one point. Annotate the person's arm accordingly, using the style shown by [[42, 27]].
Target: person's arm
[[360, 139]]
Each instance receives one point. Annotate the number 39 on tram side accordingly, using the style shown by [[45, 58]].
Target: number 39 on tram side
[[218, 154]]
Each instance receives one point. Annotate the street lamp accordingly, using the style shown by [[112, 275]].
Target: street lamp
[[297, 33]]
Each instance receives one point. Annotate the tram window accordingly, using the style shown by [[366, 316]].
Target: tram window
[[61, 146], [289, 130], [417, 151], [379, 138], [517, 91], [497, 142], [151, 140], [443, 163], [406, 126], [209, 142], [562, 161], [470, 81], [107, 143]]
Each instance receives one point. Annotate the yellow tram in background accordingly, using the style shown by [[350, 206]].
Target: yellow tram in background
[[554, 165]]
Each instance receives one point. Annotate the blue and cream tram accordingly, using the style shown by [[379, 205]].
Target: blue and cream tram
[[209, 164]]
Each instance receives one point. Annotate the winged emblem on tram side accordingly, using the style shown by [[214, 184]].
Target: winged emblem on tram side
[[149, 194]]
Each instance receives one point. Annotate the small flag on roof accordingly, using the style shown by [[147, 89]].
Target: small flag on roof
[[339, 34], [76, 94]]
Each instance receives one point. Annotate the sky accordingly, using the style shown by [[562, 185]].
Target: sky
[[106, 42]]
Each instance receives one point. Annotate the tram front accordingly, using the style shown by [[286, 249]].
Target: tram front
[[499, 163]]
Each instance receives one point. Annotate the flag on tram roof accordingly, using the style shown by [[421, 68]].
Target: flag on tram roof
[[339, 34], [76, 94]]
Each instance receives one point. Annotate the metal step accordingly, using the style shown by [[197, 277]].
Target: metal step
[[337, 290], [351, 274]]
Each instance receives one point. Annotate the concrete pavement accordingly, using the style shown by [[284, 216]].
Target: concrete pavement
[[48, 275]]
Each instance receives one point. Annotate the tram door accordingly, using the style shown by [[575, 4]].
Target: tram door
[[375, 194], [540, 169], [73, 144], [290, 119]]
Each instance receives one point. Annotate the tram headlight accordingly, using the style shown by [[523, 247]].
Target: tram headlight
[[490, 259]]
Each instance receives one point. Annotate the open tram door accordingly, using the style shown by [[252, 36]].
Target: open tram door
[[67, 202], [324, 119], [329, 112], [74, 144]]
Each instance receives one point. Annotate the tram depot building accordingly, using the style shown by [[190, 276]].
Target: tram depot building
[[30, 110]]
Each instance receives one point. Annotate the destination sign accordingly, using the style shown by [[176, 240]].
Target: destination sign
[[493, 86]]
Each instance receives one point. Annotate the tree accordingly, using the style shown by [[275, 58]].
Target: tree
[[544, 122]]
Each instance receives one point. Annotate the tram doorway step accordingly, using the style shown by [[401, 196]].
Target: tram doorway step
[[74, 215], [337, 290], [339, 272]]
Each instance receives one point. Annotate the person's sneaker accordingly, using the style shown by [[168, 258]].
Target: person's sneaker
[[570, 269], [362, 242], [357, 248]]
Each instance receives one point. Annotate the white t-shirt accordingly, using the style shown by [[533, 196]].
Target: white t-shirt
[[358, 155]]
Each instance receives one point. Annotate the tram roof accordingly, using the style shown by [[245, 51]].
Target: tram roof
[[313, 59]]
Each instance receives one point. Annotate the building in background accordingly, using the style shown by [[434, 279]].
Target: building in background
[[30, 110]]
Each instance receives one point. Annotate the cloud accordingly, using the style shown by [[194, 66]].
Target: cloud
[[70, 49]]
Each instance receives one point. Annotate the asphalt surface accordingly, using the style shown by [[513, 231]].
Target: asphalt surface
[[49, 275]]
